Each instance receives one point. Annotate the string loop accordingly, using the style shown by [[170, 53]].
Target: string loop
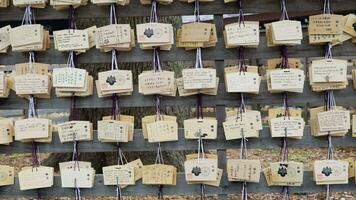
[[327, 7], [241, 18], [284, 13]]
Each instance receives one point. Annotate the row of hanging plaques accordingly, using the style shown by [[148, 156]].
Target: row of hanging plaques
[[198, 170], [34, 79], [164, 128], [322, 29]]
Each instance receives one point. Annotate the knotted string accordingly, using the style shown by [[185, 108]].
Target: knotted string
[[121, 160], [28, 16], [241, 60], [241, 18], [159, 160], [71, 62], [28, 19], [284, 13], [154, 16], [327, 7], [198, 57], [284, 149], [201, 154], [284, 57]]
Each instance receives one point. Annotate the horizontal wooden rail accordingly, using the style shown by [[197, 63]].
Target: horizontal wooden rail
[[343, 97], [182, 188], [177, 8], [265, 141], [219, 52]]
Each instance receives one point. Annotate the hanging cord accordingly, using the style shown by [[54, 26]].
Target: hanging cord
[[243, 155], [284, 149], [241, 18], [159, 160], [121, 160], [330, 104], [241, 60], [74, 115], [284, 13], [27, 19], [327, 7], [201, 154], [329, 95], [198, 58], [159, 155]]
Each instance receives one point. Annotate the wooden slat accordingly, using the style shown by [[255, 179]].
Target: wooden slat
[[140, 144], [177, 8], [343, 97], [182, 188], [179, 54]]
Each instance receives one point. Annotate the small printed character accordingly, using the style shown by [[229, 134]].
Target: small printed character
[[327, 171], [148, 32], [196, 171]]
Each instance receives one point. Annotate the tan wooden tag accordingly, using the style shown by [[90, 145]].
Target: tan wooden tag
[[31, 84], [159, 174], [287, 172], [119, 175], [328, 70], [75, 131], [113, 130], [116, 80], [6, 131], [5, 37], [35, 178], [334, 120], [325, 24], [287, 79], [128, 119], [32, 128], [7, 175], [331, 172], [201, 169], [113, 34], [242, 82], [196, 32], [69, 77], [162, 131], [246, 33], [152, 118], [154, 33], [349, 24], [138, 168], [206, 128], [199, 78], [287, 127], [83, 178], [26, 35], [243, 170], [157, 83], [286, 30], [70, 39], [238, 128]]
